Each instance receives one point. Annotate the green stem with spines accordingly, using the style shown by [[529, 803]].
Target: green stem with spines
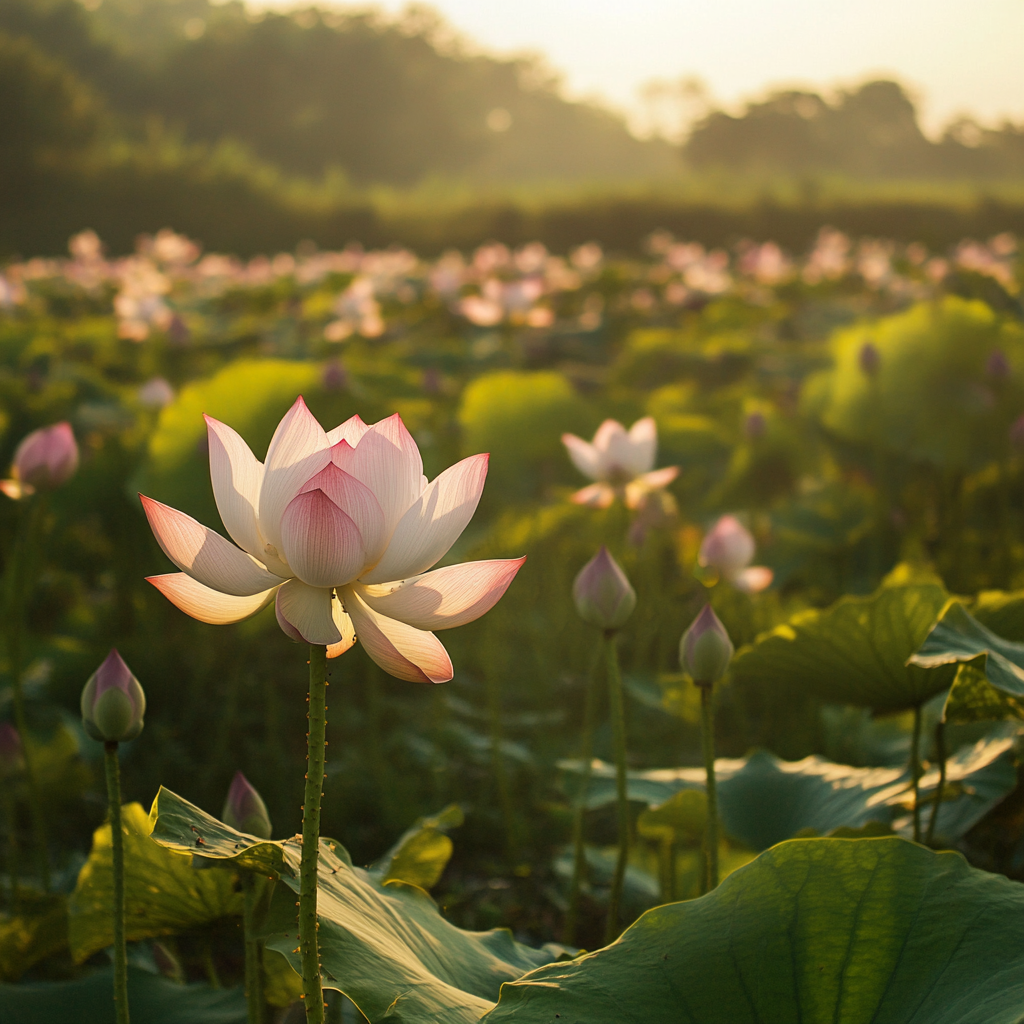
[[253, 951], [915, 770], [312, 989], [617, 714], [113, 770], [579, 857], [707, 737], [940, 753]]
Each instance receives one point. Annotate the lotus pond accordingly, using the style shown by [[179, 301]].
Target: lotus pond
[[739, 739]]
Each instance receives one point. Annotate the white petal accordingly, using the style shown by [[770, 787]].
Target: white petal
[[446, 597], [401, 650], [584, 455], [205, 604], [351, 430], [607, 434], [753, 580], [206, 556], [298, 450], [358, 503], [308, 611], [623, 456], [643, 436], [321, 543], [347, 629], [236, 475], [434, 523]]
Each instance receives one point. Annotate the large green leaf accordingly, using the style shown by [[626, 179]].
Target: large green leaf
[[164, 894], [385, 946], [958, 638], [854, 652], [763, 800], [815, 931], [89, 1000], [422, 853]]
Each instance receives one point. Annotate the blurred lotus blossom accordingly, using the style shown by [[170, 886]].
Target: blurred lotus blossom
[[244, 809], [729, 548], [339, 529], [44, 460], [602, 592], [12, 753], [156, 393], [620, 461]]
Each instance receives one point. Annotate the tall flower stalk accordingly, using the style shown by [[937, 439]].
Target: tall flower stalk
[[113, 709], [704, 654], [604, 598], [338, 528]]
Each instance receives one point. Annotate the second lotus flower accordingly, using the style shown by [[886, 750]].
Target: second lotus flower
[[339, 528]]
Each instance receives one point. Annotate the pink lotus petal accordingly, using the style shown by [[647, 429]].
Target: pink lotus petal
[[611, 431], [753, 580], [206, 556], [307, 611], [321, 542], [728, 547], [401, 650], [659, 478], [298, 450], [205, 604], [237, 476], [351, 430], [358, 503], [595, 496], [583, 454], [387, 460], [446, 597], [434, 523]]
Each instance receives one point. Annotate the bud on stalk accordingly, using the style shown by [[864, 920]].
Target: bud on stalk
[[602, 593], [44, 460], [113, 704], [705, 649], [244, 809]]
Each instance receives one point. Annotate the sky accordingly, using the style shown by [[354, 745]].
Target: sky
[[956, 56]]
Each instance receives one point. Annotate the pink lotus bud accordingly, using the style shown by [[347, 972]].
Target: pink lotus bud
[[998, 366], [869, 359], [113, 704], [705, 649], [602, 592], [728, 547], [12, 754], [244, 809], [45, 459]]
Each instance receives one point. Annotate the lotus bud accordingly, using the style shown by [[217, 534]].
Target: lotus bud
[[12, 754], [113, 704], [45, 459], [602, 592], [869, 359], [998, 366], [705, 649], [244, 809], [728, 547]]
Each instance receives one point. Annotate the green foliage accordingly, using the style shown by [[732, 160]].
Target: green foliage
[[36, 929], [421, 853], [814, 930], [854, 652], [164, 893], [931, 399]]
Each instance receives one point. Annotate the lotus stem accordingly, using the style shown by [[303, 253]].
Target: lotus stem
[[312, 990], [915, 771], [498, 767], [667, 868], [253, 952], [618, 717], [579, 859], [707, 737], [940, 753], [117, 850]]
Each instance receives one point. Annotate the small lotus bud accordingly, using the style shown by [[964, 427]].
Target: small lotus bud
[[705, 649], [755, 425], [998, 366], [244, 809], [869, 359], [45, 459], [728, 547], [113, 704], [12, 754], [1016, 432], [602, 592]]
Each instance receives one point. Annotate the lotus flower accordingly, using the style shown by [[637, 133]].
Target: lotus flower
[[45, 459], [339, 529], [622, 463], [602, 592], [729, 548]]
